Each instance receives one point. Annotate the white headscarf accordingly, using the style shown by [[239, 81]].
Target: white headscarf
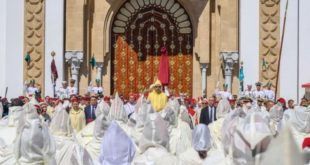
[[116, 147], [60, 124], [155, 133], [201, 138], [283, 150], [117, 111]]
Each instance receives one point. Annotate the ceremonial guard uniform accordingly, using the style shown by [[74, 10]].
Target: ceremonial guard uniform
[[63, 92], [72, 88], [269, 93], [224, 94], [32, 90]]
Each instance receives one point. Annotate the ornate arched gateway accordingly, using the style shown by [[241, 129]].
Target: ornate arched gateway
[[140, 29]]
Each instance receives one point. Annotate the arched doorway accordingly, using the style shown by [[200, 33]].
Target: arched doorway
[[140, 29]]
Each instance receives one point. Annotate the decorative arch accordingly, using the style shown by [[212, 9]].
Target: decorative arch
[[171, 7], [139, 29]]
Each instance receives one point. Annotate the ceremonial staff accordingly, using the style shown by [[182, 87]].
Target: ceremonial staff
[[280, 54], [54, 73]]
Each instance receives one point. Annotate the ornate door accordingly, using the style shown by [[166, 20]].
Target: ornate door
[[140, 29]]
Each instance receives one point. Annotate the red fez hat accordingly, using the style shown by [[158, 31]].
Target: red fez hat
[[87, 98], [74, 100], [306, 143], [21, 97], [106, 98], [193, 101], [232, 100], [281, 100], [37, 106]]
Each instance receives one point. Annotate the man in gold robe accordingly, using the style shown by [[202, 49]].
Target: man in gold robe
[[158, 98], [77, 116]]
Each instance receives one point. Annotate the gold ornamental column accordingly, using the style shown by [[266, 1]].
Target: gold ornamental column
[[269, 36], [34, 18]]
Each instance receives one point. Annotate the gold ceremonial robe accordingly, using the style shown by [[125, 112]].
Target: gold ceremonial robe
[[50, 111], [158, 101], [77, 118]]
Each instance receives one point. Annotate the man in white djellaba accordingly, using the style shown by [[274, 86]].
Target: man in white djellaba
[[283, 150], [116, 147], [269, 93], [33, 144], [9, 123], [153, 144], [250, 139], [63, 91], [224, 93], [72, 88], [258, 93], [248, 92], [91, 136], [131, 105], [32, 90], [97, 89], [201, 142], [69, 152]]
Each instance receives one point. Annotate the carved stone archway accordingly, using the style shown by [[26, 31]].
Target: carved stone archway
[[140, 29]]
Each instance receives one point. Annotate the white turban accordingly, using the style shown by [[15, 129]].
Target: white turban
[[201, 138]]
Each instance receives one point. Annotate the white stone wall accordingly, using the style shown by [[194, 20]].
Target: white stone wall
[[249, 40], [296, 53], [11, 49], [304, 46], [288, 68], [2, 46], [54, 41]]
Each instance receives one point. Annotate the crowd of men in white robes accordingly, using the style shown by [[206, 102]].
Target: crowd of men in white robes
[[115, 130]]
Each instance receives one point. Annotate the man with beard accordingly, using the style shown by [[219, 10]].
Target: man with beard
[[130, 106]]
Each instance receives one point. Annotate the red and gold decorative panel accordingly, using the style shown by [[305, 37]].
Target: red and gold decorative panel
[[138, 35]]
